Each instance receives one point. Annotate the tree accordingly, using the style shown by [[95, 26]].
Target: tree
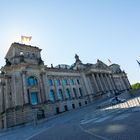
[[135, 86]]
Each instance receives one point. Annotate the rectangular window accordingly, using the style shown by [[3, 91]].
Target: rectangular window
[[34, 98]]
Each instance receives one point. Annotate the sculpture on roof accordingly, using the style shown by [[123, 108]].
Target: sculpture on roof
[[77, 58], [8, 63]]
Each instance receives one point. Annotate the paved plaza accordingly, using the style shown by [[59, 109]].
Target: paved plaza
[[86, 123]]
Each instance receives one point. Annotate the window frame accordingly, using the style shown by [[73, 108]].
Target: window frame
[[52, 97], [32, 98]]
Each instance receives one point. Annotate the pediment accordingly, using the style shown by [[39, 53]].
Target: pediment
[[101, 65]]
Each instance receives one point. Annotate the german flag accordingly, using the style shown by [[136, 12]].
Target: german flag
[[25, 39]]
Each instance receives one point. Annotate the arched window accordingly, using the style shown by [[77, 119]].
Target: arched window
[[75, 93], [52, 95], [80, 91], [60, 94], [68, 93], [32, 81]]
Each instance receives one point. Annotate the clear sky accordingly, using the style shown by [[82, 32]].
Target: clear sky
[[94, 29]]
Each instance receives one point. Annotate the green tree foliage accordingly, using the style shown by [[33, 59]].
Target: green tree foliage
[[135, 86]]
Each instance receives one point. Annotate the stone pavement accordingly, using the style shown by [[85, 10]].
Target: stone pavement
[[26, 131], [119, 125], [86, 123]]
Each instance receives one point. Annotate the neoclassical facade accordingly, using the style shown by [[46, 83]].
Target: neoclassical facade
[[29, 90]]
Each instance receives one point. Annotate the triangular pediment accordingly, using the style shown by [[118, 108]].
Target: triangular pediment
[[101, 65]]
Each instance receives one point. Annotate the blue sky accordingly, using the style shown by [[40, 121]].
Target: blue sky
[[94, 29]]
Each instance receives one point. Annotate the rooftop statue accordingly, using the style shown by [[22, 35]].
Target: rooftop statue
[[77, 58]]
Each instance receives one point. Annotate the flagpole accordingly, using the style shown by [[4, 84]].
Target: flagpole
[[138, 62], [109, 61]]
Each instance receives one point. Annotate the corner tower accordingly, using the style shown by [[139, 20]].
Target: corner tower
[[21, 53]]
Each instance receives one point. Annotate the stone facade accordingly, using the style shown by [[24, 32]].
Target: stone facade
[[30, 90]]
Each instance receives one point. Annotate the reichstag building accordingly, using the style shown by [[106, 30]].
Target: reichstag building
[[31, 90]]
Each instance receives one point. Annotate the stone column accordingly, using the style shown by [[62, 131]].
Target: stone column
[[6, 93], [111, 82], [108, 82], [42, 85], [64, 88], [71, 90], [46, 87], [123, 85], [14, 90], [95, 83], [123, 78], [56, 89], [114, 83], [128, 83], [100, 83], [90, 85], [2, 97], [85, 84], [26, 100], [103, 83], [77, 89]]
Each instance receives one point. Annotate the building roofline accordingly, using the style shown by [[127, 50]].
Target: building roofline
[[17, 45]]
